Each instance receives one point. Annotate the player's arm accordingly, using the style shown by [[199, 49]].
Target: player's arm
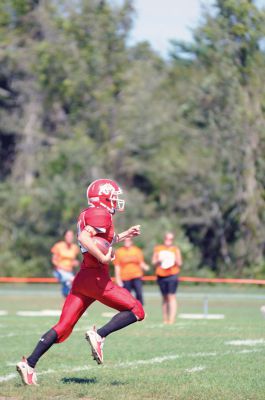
[[131, 232], [76, 261], [155, 259], [142, 263], [85, 239], [56, 258], [144, 266], [178, 258], [117, 269]]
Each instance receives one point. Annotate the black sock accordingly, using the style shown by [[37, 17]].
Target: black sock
[[119, 321], [45, 342]]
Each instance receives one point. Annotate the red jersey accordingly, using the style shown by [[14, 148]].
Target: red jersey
[[101, 220]]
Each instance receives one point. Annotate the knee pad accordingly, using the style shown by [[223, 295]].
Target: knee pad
[[138, 310]]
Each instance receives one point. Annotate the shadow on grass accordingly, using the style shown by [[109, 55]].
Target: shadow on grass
[[118, 383], [82, 381]]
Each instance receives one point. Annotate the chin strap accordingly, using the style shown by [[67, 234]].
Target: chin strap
[[110, 210]]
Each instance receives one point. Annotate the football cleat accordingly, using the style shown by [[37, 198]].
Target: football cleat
[[27, 373], [96, 343]]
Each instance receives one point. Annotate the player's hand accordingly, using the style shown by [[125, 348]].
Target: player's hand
[[106, 259], [134, 231], [146, 267], [76, 263]]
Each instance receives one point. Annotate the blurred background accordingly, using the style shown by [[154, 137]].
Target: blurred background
[[173, 108]]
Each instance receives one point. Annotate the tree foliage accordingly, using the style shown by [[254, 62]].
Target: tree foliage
[[185, 136]]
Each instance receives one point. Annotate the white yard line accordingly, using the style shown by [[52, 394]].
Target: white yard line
[[14, 334], [40, 313], [108, 314], [201, 316], [88, 367], [3, 313], [195, 369], [178, 325], [247, 351], [136, 363], [246, 342], [35, 333], [155, 360], [209, 354], [7, 377]]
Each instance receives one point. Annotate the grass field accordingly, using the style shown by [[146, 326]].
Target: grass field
[[193, 359]]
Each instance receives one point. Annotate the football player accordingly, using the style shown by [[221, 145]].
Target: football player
[[93, 281]]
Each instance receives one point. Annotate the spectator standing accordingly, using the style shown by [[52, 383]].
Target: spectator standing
[[64, 260], [129, 266], [167, 260]]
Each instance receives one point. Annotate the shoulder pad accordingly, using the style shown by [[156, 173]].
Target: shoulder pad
[[97, 217]]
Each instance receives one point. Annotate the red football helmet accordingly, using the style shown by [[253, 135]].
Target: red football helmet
[[105, 193]]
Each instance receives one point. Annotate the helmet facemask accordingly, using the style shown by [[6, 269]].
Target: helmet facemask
[[117, 203]]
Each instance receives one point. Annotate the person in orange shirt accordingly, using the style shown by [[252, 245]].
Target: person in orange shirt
[[129, 266], [167, 260], [64, 260]]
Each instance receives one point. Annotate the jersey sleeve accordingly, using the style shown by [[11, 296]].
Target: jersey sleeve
[[98, 218]]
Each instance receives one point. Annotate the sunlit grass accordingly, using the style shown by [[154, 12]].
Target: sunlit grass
[[189, 360]]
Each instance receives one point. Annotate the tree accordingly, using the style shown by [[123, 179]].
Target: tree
[[226, 114]]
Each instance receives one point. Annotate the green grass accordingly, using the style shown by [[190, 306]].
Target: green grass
[[146, 360]]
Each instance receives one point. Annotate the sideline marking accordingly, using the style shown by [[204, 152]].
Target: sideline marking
[[7, 377], [209, 354], [201, 316], [12, 334], [177, 325], [133, 364], [155, 360], [88, 367], [3, 312], [38, 333], [108, 314], [247, 342], [247, 351], [195, 369], [41, 313]]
